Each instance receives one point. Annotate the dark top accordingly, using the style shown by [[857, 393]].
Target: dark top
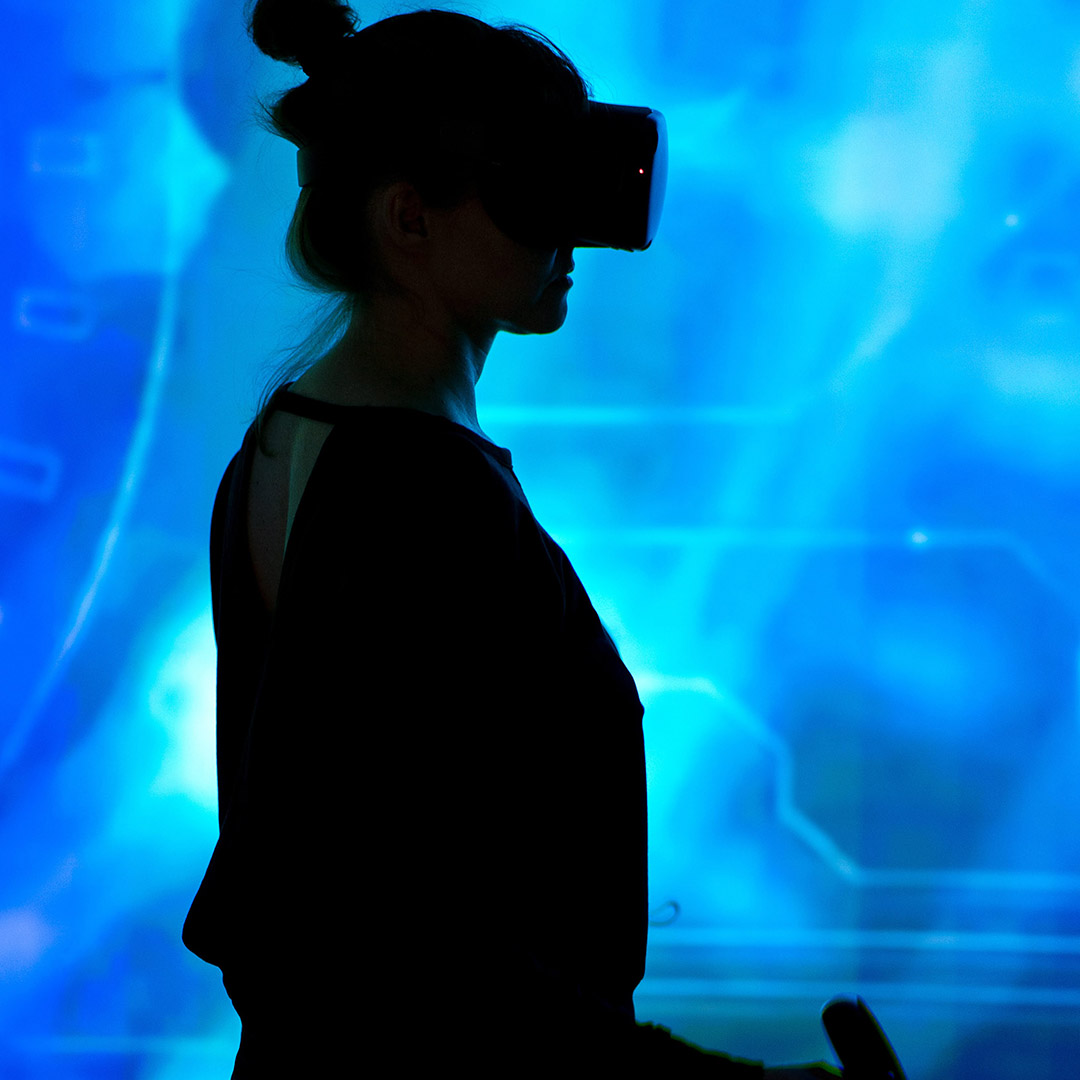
[[431, 771]]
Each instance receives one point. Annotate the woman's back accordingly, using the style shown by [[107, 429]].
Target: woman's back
[[275, 488], [278, 479]]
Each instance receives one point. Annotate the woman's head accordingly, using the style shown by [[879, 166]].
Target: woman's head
[[376, 106]]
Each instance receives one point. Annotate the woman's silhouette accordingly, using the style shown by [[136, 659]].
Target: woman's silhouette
[[431, 774]]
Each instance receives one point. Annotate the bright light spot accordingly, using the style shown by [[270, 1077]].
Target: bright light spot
[[24, 936], [1012, 220], [182, 700], [1051, 378], [893, 173], [919, 538]]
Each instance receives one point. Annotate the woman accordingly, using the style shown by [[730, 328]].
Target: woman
[[430, 762]]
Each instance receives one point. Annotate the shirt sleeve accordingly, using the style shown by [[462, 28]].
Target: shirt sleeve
[[414, 750]]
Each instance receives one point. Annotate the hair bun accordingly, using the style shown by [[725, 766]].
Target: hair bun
[[302, 32]]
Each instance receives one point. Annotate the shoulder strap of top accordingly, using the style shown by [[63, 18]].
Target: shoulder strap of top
[[314, 410], [284, 399]]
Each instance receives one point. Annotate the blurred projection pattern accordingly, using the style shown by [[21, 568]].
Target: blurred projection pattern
[[815, 455]]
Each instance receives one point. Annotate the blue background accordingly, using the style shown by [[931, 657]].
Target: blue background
[[815, 456]]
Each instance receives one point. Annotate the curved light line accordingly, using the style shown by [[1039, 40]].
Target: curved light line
[[133, 467]]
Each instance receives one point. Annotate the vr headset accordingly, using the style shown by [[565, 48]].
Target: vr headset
[[598, 181]]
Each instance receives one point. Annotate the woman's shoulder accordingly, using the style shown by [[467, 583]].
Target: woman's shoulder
[[400, 455]]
